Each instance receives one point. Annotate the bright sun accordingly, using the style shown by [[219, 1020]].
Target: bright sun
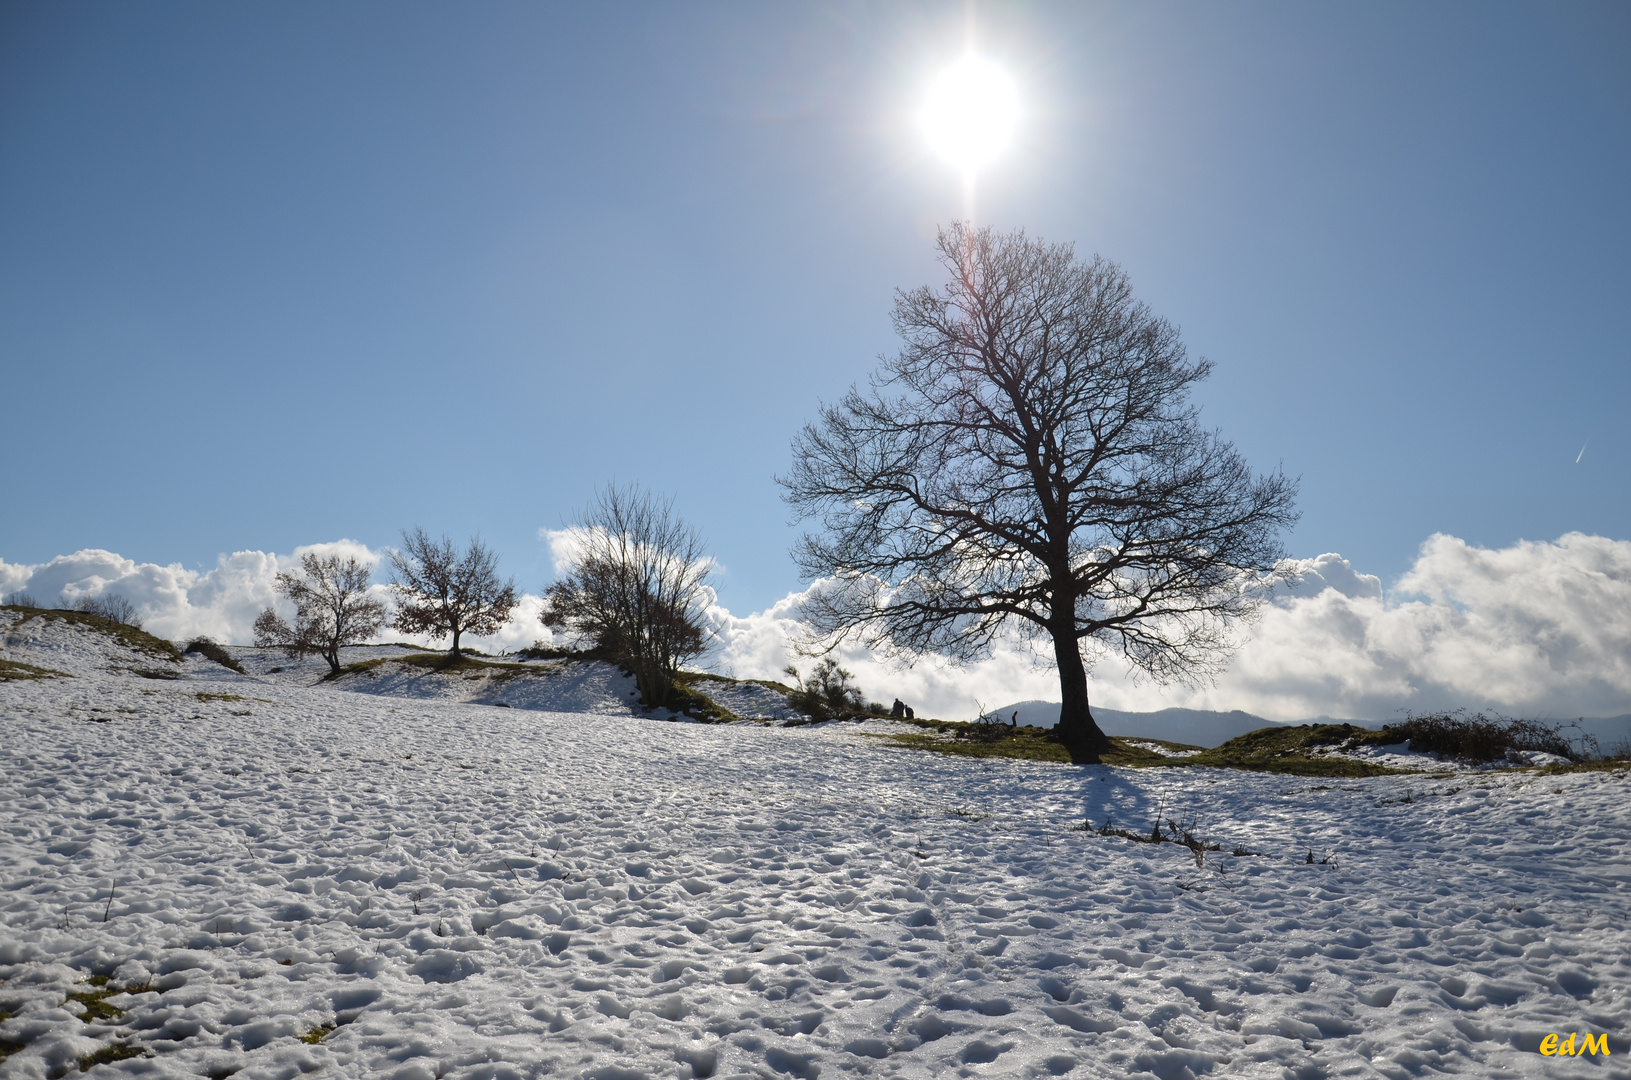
[[970, 112]]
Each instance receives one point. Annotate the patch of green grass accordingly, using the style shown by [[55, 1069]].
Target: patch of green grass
[[315, 1035], [540, 651], [360, 667], [115, 1052], [1618, 766], [1276, 750], [1027, 743], [442, 663], [95, 1001], [130, 636], [1288, 750], [17, 671], [686, 698], [205, 695]]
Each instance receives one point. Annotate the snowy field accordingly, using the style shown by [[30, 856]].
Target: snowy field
[[429, 888]]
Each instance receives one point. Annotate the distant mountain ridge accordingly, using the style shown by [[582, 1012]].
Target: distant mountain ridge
[[1204, 727]]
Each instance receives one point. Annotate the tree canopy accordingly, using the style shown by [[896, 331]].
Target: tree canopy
[[443, 592], [332, 608]]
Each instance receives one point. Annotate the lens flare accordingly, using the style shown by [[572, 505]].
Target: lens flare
[[970, 113]]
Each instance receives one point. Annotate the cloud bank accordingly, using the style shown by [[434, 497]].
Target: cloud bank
[[1535, 629]]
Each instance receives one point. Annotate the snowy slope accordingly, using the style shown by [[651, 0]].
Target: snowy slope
[[600, 895]]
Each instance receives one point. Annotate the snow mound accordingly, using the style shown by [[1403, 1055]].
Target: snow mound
[[81, 645], [749, 700], [580, 686]]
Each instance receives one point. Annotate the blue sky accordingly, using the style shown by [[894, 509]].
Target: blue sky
[[273, 275]]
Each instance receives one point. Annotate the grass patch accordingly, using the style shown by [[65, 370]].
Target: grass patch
[[209, 650], [1292, 750], [359, 668], [539, 651], [17, 671], [686, 698], [1026, 743], [205, 695], [115, 1052], [129, 636], [316, 1034], [97, 1009], [1275, 750], [442, 663], [1620, 766]]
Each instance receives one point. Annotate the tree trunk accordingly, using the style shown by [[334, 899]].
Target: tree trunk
[[332, 655], [653, 684], [1077, 729], [455, 652]]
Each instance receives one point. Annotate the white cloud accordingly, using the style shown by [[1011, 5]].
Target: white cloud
[[1538, 629], [565, 547], [1535, 629], [176, 603]]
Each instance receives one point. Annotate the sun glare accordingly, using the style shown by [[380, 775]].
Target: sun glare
[[970, 113]]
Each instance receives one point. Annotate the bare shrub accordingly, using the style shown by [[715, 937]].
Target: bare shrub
[[22, 599], [109, 606], [827, 693], [1481, 738], [988, 727], [637, 589]]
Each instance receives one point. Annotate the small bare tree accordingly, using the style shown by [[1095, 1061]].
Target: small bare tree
[[332, 609], [109, 606], [1031, 459], [637, 589], [442, 592]]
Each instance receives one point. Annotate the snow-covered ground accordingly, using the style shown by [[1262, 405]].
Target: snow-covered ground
[[465, 891]]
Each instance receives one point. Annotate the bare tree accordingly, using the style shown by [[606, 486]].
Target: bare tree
[[1031, 459], [442, 592], [637, 589], [109, 606], [332, 609]]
